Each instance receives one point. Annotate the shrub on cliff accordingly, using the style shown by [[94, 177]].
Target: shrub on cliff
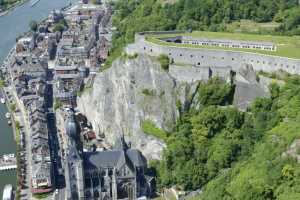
[[164, 61], [150, 128]]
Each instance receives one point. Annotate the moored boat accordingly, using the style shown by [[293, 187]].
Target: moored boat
[[7, 115]]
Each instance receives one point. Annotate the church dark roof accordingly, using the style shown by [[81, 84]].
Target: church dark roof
[[136, 158], [103, 159], [114, 159]]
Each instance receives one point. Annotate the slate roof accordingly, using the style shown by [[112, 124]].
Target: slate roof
[[136, 158], [114, 159], [104, 159]]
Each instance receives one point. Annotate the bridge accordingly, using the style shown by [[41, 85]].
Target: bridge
[[8, 162]]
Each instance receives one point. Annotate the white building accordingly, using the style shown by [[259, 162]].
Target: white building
[[7, 192]]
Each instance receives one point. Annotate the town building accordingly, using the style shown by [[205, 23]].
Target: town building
[[41, 180], [68, 82], [7, 192]]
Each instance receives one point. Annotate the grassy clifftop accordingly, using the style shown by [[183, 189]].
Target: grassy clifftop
[[287, 46]]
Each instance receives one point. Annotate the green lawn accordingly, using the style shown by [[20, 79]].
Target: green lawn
[[286, 46]]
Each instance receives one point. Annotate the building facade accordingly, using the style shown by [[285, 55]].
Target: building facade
[[266, 46]]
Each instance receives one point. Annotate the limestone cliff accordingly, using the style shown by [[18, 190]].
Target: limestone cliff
[[134, 90], [131, 91]]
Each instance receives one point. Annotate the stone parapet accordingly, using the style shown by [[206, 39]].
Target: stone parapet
[[202, 57]]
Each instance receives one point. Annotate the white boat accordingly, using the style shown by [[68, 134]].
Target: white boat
[[7, 115], [2, 100], [7, 192]]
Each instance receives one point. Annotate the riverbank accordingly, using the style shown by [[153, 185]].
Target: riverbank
[[7, 146], [16, 20], [12, 7]]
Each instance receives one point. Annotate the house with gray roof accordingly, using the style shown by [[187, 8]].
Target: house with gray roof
[[41, 180]]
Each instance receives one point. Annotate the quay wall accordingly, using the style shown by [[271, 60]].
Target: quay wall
[[8, 167], [201, 57]]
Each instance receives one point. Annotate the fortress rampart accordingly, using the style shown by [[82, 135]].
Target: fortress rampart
[[202, 57]]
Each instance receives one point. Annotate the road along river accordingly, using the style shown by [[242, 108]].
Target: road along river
[[12, 25]]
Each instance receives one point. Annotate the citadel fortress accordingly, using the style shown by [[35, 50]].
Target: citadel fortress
[[216, 58]]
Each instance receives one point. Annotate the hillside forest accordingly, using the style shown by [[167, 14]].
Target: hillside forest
[[227, 153]]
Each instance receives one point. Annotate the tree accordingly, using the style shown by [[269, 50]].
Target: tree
[[2, 83], [33, 25], [59, 27], [215, 92], [208, 122]]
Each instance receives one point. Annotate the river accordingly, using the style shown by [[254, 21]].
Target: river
[[11, 26]]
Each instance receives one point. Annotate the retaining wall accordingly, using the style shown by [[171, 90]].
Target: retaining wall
[[202, 57]]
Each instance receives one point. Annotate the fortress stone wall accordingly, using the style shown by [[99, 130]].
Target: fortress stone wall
[[191, 74], [202, 57]]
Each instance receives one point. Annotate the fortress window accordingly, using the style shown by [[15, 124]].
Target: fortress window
[[192, 56], [151, 50], [144, 48], [202, 56], [180, 55], [223, 58], [170, 54], [232, 58], [198, 63]]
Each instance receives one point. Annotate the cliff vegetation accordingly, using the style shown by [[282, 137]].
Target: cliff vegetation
[[226, 15], [232, 154], [227, 153]]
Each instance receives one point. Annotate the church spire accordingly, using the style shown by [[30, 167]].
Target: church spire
[[121, 143]]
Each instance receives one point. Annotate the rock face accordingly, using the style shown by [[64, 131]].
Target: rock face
[[134, 90], [131, 91], [248, 88]]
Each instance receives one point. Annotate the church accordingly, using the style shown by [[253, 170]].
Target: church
[[117, 174]]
